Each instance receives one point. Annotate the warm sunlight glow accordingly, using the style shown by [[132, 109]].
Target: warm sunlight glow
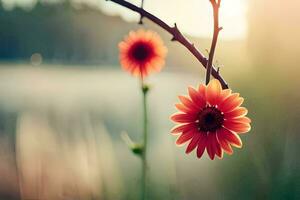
[[194, 17], [234, 18]]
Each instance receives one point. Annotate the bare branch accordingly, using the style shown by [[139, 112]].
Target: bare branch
[[141, 16], [217, 29], [176, 36], [219, 3]]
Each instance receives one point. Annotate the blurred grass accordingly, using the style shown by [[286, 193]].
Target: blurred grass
[[60, 126], [86, 109]]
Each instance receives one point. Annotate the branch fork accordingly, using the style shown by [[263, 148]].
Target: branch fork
[[179, 37]]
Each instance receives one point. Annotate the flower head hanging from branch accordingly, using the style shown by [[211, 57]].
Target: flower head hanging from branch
[[210, 117], [176, 36]]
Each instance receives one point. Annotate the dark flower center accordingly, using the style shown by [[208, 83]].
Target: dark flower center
[[210, 119], [141, 51]]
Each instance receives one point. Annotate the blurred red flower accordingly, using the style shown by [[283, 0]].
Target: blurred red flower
[[142, 52], [211, 118]]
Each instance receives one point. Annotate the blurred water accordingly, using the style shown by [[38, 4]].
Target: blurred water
[[60, 117], [60, 139]]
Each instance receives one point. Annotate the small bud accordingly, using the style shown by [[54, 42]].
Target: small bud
[[137, 149], [145, 88]]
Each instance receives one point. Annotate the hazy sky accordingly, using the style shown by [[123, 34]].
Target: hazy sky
[[194, 17]]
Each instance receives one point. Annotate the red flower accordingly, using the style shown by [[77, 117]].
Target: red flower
[[142, 52], [211, 118]]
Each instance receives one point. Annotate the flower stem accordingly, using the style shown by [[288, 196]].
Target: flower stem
[[145, 90], [217, 29], [141, 16]]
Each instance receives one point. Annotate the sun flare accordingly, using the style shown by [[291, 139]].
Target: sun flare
[[193, 17]]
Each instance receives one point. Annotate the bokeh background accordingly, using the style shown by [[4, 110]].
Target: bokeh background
[[64, 101]]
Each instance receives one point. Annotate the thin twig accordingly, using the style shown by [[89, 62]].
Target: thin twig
[[177, 36], [141, 16], [217, 29]]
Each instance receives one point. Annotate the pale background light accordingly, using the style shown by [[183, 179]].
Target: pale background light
[[194, 17]]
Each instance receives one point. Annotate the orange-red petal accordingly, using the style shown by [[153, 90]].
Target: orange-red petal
[[236, 126], [183, 118], [201, 145], [185, 109], [224, 144], [236, 113], [230, 103], [215, 144], [183, 128], [193, 144], [188, 102], [196, 97], [213, 92], [202, 91], [230, 137], [224, 94], [211, 146], [183, 138], [245, 120]]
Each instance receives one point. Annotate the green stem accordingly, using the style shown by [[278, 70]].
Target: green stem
[[145, 90]]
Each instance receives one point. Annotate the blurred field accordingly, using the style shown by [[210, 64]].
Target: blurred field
[[64, 103], [60, 139]]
